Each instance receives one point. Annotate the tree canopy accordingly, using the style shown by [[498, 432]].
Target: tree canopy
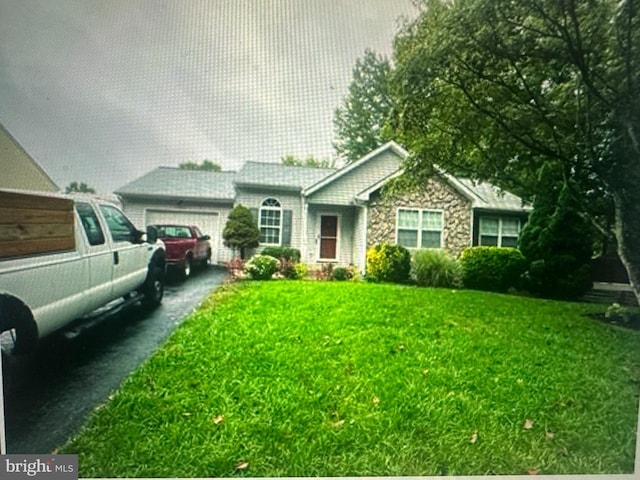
[[495, 89], [359, 123], [79, 187], [206, 165]]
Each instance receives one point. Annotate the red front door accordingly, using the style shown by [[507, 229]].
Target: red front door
[[328, 237]]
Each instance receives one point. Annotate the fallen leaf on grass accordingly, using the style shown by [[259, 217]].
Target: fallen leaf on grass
[[474, 437], [375, 400], [242, 466], [528, 424], [549, 435], [186, 414], [337, 424], [532, 472], [218, 420]]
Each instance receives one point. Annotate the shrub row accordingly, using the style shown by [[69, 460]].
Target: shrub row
[[481, 268]]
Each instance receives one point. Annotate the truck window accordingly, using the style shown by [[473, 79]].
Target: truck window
[[122, 230], [90, 223]]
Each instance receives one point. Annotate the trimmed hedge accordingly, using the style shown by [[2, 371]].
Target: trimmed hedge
[[388, 263], [494, 269], [288, 253]]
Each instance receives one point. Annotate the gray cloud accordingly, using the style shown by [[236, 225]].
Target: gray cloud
[[103, 92]]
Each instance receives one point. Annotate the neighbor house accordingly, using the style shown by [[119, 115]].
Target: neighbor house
[[19, 169], [331, 215]]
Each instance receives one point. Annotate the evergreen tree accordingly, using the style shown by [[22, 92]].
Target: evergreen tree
[[557, 241], [241, 230]]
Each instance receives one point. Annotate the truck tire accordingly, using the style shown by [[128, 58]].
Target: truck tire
[[16, 316], [186, 267], [153, 289]]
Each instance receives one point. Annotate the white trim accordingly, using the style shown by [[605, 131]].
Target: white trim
[[500, 234], [272, 209], [401, 152], [319, 216], [363, 253], [304, 212], [419, 229]]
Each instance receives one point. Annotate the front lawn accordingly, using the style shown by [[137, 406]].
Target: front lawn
[[349, 379]]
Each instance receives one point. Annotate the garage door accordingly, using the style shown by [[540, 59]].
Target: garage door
[[207, 222]]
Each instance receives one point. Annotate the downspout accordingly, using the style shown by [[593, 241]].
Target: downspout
[[303, 237]]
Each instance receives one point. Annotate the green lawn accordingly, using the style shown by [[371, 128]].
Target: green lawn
[[348, 379]]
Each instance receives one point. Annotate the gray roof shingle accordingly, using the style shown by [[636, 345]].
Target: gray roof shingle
[[490, 197], [168, 182], [275, 175]]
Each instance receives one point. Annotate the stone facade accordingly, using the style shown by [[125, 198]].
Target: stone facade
[[437, 195]]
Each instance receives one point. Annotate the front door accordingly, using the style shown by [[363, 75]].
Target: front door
[[328, 237]]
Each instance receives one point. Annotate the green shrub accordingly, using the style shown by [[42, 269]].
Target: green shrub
[[342, 273], [388, 263], [261, 267], [302, 270], [279, 253], [436, 268], [495, 269]]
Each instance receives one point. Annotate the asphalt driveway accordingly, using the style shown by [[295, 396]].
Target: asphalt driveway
[[52, 392]]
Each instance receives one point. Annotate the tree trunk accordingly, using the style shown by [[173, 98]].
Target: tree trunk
[[627, 231]]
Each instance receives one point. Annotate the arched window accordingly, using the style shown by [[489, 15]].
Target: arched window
[[271, 222]]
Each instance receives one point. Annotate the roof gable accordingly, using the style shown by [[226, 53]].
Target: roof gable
[[391, 146], [171, 182]]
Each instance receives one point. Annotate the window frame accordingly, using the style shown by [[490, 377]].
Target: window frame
[[420, 228], [271, 208], [500, 234]]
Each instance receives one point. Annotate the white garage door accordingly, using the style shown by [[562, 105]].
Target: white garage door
[[207, 222]]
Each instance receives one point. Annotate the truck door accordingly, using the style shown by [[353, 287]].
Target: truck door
[[129, 255], [98, 257]]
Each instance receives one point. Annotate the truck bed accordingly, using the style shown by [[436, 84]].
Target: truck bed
[[32, 224]]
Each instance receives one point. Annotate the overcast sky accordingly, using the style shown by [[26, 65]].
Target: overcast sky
[[103, 92]]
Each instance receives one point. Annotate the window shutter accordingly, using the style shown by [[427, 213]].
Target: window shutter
[[287, 216], [254, 214]]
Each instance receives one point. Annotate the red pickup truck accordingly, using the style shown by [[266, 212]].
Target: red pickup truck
[[186, 246]]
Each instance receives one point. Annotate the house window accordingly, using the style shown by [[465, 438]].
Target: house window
[[417, 228], [499, 232], [270, 222]]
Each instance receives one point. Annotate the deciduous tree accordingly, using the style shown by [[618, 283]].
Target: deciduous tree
[[494, 89], [359, 122]]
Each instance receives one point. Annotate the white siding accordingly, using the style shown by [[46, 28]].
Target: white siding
[[343, 190], [346, 245], [288, 200]]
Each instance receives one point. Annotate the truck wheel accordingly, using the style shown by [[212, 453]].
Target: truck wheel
[[186, 267], [153, 289], [207, 260], [15, 317]]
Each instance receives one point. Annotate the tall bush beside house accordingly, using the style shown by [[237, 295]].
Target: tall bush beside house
[[558, 244], [261, 267], [241, 231], [388, 263], [436, 268], [494, 269]]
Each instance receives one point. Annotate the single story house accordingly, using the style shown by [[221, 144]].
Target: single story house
[[330, 215]]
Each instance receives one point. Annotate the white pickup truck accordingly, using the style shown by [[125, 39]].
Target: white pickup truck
[[63, 257]]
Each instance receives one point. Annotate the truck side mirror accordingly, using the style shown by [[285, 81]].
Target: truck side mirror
[[152, 234], [205, 237]]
